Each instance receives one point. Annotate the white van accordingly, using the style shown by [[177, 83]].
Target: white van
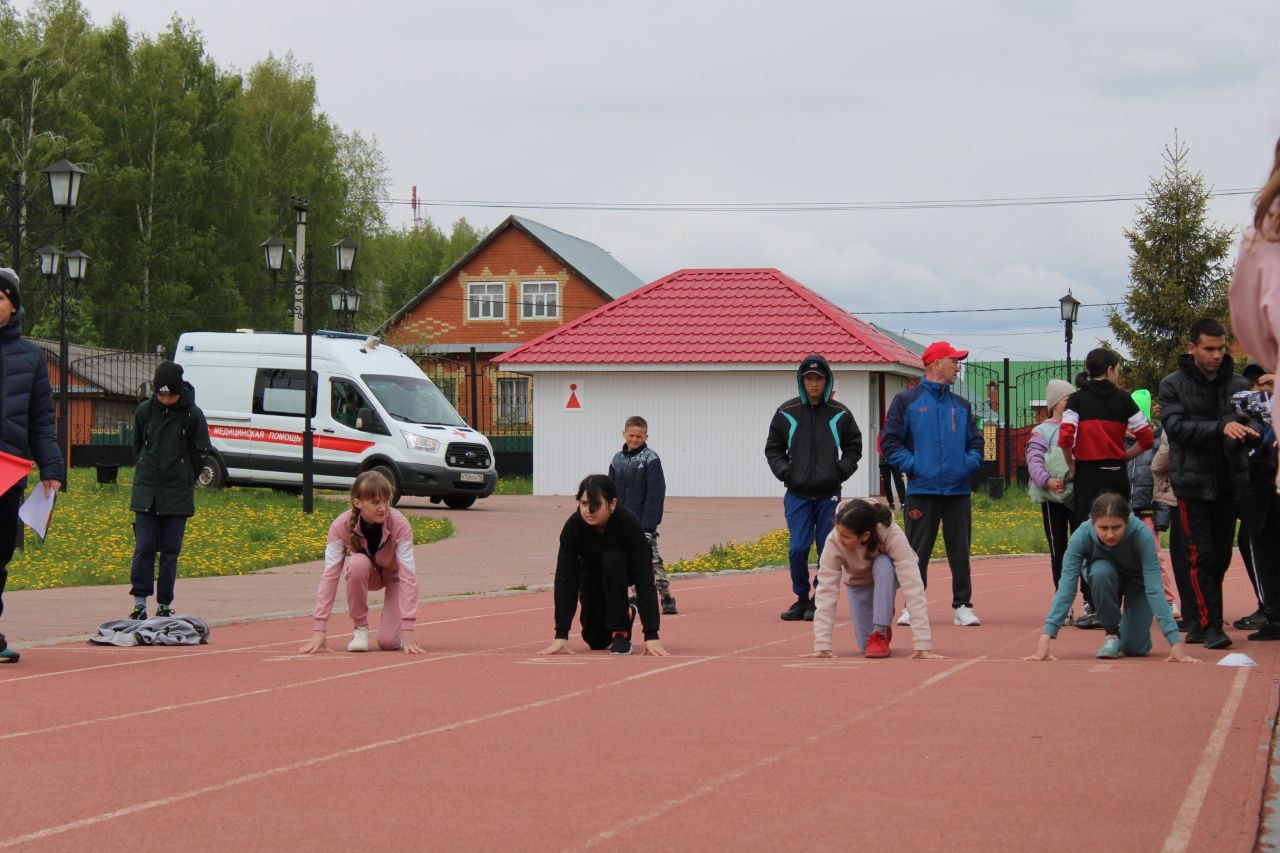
[[374, 409]]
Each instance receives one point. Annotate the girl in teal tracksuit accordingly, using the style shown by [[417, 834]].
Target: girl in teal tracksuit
[[1116, 553]]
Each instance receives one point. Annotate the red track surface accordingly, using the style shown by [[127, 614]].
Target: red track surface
[[733, 742]]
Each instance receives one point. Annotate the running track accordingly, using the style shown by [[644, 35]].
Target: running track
[[734, 742]]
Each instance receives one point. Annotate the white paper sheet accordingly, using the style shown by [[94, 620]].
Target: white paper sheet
[[37, 509]]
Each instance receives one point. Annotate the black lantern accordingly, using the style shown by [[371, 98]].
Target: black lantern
[[77, 265], [50, 258], [64, 183], [273, 250]]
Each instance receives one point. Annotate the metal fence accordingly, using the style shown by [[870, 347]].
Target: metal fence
[[494, 401]]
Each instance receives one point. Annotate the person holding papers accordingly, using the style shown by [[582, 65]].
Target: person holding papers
[[26, 423]]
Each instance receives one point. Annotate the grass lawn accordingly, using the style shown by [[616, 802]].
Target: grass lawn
[[234, 531], [1010, 525], [514, 485]]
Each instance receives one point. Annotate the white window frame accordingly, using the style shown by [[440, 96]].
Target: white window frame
[[513, 400], [531, 304], [480, 301]]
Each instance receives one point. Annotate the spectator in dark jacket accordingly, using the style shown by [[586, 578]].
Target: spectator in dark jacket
[[1260, 379], [930, 435], [1209, 469], [814, 445], [26, 422], [637, 472], [170, 439]]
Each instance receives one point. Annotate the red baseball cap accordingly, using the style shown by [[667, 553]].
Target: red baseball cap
[[942, 349]]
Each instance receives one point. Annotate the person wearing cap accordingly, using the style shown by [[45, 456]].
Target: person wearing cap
[[170, 439], [814, 445], [931, 436], [1049, 486], [27, 424]]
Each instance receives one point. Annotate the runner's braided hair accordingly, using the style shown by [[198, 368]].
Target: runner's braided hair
[[859, 517], [368, 486]]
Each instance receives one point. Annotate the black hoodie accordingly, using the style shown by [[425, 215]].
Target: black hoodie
[[170, 443], [813, 447]]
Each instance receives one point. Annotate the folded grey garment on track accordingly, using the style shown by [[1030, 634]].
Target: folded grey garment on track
[[156, 631]]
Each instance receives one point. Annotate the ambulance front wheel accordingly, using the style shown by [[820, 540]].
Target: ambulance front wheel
[[385, 470], [460, 501], [212, 475]]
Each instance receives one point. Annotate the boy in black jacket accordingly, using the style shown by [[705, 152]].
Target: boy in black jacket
[[637, 472], [813, 446], [170, 439]]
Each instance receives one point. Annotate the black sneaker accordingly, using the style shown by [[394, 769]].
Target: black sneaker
[[1216, 638], [1249, 623], [1267, 631], [621, 644], [163, 611], [1194, 637], [810, 607], [669, 605], [1089, 619], [139, 613], [795, 612]]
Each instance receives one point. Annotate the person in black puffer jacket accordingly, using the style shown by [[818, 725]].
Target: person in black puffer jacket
[[1209, 469], [27, 427], [814, 445]]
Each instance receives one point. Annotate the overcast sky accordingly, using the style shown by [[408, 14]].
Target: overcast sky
[[752, 102]]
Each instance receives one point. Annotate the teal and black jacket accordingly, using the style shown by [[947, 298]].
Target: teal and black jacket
[[813, 448]]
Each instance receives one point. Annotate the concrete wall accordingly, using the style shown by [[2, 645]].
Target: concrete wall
[[708, 426]]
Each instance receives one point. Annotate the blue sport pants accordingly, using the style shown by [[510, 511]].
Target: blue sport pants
[[154, 534], [809, 520]]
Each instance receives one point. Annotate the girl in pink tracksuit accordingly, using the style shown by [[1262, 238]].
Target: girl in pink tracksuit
[[868, 556], [1255, 285], [374, 543]]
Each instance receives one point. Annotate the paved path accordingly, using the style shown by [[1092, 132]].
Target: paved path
[[503, 542]]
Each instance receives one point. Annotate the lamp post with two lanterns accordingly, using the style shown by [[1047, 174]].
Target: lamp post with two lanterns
[[344, 258], [64, 188]]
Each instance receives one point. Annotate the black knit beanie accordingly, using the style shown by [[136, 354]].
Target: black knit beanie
[[9, 287], [168, 378]]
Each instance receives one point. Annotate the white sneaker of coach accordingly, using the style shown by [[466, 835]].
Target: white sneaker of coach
[[966, 616], [359, 640], [905, 618]]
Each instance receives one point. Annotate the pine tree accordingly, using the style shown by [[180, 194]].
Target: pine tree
[[1178, 272]]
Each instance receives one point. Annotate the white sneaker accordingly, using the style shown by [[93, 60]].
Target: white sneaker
[[905, 618], [966, 616], [360, 640]]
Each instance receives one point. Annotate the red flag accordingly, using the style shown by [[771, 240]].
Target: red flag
[[12, 470]]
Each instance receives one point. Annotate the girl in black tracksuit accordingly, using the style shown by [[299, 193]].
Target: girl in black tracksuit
[[602, 552]]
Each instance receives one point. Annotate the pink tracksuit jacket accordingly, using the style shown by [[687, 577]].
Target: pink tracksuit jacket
[[1255, 297], [395, 569]]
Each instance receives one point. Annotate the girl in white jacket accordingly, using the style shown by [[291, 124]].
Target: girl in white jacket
[[868, 555]]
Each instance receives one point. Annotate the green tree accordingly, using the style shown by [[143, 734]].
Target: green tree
[[1178, 271]]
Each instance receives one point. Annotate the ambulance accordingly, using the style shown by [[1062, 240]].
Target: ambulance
[[373, 409]]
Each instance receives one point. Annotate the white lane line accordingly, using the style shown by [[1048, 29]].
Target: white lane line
[[1184, 823], [205, 652], [713, 785], [262, 691], [162, 802]]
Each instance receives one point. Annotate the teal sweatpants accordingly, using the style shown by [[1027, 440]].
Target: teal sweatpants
[[1110, 586]]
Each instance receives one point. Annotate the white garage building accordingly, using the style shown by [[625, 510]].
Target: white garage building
[[705, 356]]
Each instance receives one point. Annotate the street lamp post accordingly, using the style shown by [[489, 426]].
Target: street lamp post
[[64, 188], [1070, 310], [273, 249]]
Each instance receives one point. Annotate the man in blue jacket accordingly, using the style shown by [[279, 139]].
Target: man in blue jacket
[[26, 422], [930, 435], [813, 446]]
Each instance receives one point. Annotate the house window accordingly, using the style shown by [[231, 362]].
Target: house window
[[539, 300], [513, 401], [486, 301]]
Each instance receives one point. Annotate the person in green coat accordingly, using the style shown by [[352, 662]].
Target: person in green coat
[[170, 440]]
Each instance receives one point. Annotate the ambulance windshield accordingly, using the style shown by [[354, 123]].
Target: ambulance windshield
[[414, 401]]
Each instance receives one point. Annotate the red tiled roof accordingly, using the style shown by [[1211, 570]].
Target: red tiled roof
[[714, 316]]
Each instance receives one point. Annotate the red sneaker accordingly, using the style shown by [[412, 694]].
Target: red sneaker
[[877, 646]]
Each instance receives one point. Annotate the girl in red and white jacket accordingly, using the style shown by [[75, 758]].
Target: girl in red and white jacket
[[375, 544]]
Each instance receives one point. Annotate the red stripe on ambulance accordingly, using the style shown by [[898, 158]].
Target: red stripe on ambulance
[[273, 436]]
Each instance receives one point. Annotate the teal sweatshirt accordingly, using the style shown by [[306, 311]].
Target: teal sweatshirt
[[1135, 553]]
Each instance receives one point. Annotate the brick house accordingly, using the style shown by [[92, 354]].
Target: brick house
[[521, 281]]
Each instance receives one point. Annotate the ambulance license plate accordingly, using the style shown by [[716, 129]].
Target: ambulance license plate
[[468, 477]]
